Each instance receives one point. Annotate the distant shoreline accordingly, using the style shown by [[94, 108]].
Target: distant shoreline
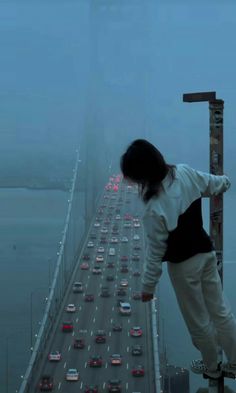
[[35, 188]]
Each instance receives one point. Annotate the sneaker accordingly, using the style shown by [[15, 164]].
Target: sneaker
[[229, 368], [198, 367]]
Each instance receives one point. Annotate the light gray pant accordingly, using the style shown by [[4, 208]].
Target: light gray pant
[[209, 319]]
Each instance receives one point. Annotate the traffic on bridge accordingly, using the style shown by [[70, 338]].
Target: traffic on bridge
[[102, 340]]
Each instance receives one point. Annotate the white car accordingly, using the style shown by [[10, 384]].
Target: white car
[[54, 356], [99, 258], [127, 224], [136, 225], [114, 240], [72, 374], [118, 217], [136, 237], [104, 230], [90, 244], [96, 270], [124, 239], [70, 308], [124, 283], [97, 224], [101, 249], [125, 308]]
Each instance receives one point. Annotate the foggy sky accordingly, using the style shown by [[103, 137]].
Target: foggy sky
[[121, 71]]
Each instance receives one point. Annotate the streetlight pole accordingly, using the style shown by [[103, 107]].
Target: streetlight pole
[[7, 365], [216, 107], [31, 316]]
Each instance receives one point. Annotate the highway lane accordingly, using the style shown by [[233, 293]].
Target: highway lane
[[100, 314]]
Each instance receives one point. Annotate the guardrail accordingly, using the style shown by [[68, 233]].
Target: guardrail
[[65, 266], [155, 340]]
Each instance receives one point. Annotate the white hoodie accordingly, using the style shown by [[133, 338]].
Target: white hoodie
[[173, 220]]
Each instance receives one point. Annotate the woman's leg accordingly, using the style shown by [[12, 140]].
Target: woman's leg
[[218, 309], [186, 279]]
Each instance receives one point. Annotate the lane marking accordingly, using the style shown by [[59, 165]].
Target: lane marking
[[65, 365], [59, 386], [89, 346], [69, 348]]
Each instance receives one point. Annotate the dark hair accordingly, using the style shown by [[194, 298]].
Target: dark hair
[[143, 164]]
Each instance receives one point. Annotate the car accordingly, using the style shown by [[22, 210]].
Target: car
[[103, 240], [96, 270], [115, 359], [124, 269], [110, 265], [100, 336], [101, 250], [84, 266], [136, 224], [124, 283], [86, 257], [136, 248], [136, 331], [114, 386], [118, 217], [96, 224], [99, 258], [136, 273], [93, 236], [104, 230], [88, 297], [121, 292], [95, 361], [125, 308], [124, 258], [114, 232], [77, 287], [105, 292], [136, 237], [127, 217], [138, 370], [114, 240], [70, 308], [67, 326], [112, 251], [136, 295], [135, 257], [110, 277], [127, 225], [124, 239], [137, 350], [54, 356], [116, 327], [91, 389], [79, 343], [46, 383], [72, 374], [90, 244]]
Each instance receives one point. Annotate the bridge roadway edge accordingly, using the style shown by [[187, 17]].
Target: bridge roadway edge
[[78, 255]]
